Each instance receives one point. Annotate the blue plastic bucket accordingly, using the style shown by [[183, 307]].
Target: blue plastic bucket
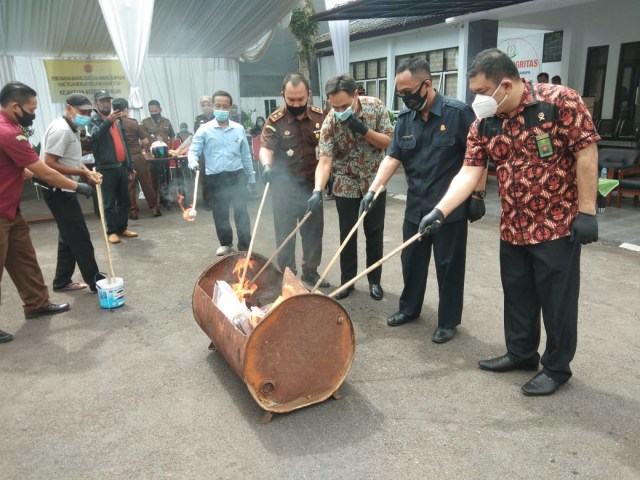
[[110, 295]]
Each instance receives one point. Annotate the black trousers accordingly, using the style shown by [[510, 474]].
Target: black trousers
[[373, 231], [449, 251], [224, 191], [289, 202], [115, 194], [74, 240], [542, 278]]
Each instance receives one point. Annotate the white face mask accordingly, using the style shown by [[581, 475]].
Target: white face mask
[[486, 106]]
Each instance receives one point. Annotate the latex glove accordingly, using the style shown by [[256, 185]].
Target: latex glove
[[585, 228], [195, 167], [365, 203], [356, 125], [476, 209], [84, 189], [314, 202], [267, 174], [431, 222]]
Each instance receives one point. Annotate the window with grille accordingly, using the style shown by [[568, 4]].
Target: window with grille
[[270, 106], [372, 76], [444, 71]]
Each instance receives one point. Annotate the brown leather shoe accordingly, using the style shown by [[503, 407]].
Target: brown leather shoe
[[114, 238], [129, 234]]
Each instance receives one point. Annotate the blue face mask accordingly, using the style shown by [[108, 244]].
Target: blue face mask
[[221, 115], [342, 116], [81, 120]]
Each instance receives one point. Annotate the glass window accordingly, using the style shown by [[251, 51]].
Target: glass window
[[371, 88], [436, 60], [383, 68], [360, 71], [451, 84], [451, 59], [382, 90], [372, 69]]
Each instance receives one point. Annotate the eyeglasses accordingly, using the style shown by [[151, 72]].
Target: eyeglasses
[[406, 93]]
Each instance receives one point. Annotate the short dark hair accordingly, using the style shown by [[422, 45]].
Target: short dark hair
[[16, 92], [415, 65], [543, 74], [495, 64], [341, 83], [222, 93], [119, 104], [154, 102], [295, 79], [556, 78]]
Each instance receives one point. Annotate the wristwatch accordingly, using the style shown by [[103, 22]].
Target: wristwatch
[[479, 193]]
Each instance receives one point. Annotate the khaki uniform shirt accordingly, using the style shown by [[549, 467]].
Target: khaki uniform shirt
[[294, 143], [160, 129]]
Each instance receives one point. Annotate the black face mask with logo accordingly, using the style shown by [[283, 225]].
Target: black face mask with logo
[[295, 111], [414, 100], [26, 120]]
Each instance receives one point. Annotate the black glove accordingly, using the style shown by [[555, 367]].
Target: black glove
[[314, 201], [85, 189], [365, 203], [267, 174], [584, 228], [476, 209], [431, 222], [356, 125]]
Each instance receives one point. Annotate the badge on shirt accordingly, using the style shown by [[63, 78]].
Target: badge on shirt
[[317, 133], [287, 133], [545, 148], [290, 152], [443, 128], [317, 126]]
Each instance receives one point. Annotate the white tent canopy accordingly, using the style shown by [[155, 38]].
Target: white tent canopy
[[194, 46]]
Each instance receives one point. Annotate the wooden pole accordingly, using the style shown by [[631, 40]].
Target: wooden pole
[[253, 235], [195, 191], [344, 243], [104, 232], [377, 264], [286, 240]]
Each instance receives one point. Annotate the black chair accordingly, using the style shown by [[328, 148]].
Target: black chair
[[606, 128], [615, 160]]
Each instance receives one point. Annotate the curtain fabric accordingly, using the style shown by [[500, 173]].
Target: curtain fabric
[[7, 70], [339, 30], [129, 25]]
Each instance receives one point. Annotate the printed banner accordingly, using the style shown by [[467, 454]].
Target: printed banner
[[526, 53], [85, 76]]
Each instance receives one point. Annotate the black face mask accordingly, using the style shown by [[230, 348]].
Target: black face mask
[[26, 120], [414, 100], [155, 116], [295, 111], [106, 111]]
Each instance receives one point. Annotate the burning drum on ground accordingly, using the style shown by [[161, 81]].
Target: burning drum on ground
[[294, 349]]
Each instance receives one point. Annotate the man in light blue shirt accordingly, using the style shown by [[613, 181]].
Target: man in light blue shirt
[[228, 168]]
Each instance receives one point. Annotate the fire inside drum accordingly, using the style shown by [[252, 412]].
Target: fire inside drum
[[298, 355]]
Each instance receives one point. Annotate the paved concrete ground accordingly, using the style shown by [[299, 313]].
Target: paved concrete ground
[[134, 393]]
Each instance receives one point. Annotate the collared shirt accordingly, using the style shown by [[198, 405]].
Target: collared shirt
[[293, 142], [156, 130], [63, 141], [16, 154], [225, 150], [355, 161], [535, 163], [133, 133], [431, 153]]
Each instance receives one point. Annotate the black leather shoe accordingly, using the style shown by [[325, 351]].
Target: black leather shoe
[[50, 310], [156, 212], [399, 319], [443, 335], [5, 337], [344, 293], [375, 290], [505, 364], [312, 278], [541, 384]]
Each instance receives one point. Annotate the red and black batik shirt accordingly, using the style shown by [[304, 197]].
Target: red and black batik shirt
[[534, 157]]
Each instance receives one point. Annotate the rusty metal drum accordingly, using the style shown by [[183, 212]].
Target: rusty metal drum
[[298, 355]]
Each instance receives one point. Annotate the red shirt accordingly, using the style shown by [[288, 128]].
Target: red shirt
[[535, 164], [16, 153]]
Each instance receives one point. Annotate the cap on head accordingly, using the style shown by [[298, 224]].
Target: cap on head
[[119, 104], [102, 95], [80, 101]]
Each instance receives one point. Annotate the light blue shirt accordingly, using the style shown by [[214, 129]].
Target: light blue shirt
[[225, 150]]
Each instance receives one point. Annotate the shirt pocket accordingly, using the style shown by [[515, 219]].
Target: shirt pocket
[[444, 141], [288, 142], [407, 143]]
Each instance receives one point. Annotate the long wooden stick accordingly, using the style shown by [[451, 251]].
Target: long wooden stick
[[377, 264], [344, 243], [195, 191], [282, 245], [253, 235], [104, 231]]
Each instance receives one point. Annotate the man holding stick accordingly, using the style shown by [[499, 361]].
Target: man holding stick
[[354, 136], [542, 141], [429, 141]]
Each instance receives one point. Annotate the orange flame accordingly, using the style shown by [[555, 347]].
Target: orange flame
[[246, 289], [185, 211]]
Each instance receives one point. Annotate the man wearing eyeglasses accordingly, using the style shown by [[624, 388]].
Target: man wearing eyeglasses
[[429, 142]]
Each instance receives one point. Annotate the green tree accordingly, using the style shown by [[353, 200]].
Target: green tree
[[304, 31]]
